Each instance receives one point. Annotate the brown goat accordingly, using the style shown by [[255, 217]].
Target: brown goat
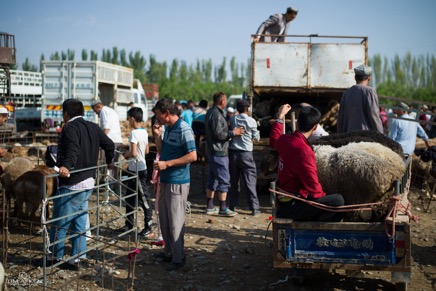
[[28, 190]]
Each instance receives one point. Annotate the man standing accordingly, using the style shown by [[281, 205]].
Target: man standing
[[4, 116], [78, 148], [241, 158], [110, 124], [177, 150], [298, 173], [217, 150], [276, 25], [404, 131], [359, 109]]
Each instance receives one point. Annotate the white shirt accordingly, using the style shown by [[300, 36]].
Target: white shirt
[[109, 120], [138, 136]]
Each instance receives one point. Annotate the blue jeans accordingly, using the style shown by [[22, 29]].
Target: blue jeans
[[67, 205]]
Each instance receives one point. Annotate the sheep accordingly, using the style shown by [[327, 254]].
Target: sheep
[[362, 172], [341, 139], [12, 171], [28, 189]]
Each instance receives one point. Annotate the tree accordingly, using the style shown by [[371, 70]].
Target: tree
[[115, 56], [27, 66], [84, 55], [94, 56]]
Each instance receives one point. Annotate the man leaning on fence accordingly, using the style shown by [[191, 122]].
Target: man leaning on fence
[[78, 148]]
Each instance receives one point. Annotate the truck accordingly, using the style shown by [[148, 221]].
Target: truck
[[85, 80], [351, 246], [309, 68], [136, 95]]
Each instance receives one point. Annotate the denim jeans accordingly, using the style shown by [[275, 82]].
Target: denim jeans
[[67, 205]]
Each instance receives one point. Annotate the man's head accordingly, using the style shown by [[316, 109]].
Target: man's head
[[203, 104], [135, 113], [242, 106], [72, 108], [400, 108], [220, 100], [97, 106], [131, 104], [308, 118], [165, 109], [291, 14], [4, 115], [362, 73]]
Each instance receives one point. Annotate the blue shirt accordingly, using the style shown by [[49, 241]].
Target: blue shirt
[[404, 132], [244, 142], [177, 141], [187, 116]]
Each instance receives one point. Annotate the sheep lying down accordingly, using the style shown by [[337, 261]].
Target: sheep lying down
[[362, 172]]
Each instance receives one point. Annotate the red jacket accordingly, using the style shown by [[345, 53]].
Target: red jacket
[[297, 164]]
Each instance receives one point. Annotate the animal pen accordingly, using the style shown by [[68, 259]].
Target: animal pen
[[103, 248]]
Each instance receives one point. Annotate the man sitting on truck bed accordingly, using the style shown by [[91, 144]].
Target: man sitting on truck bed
[[297, 171]]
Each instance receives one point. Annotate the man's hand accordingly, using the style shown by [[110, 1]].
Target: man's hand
[[64, 172], [157, 129], [256, 38], [238, 131], [160, 165], [283, 110]]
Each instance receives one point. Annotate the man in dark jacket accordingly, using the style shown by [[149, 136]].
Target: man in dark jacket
[[78, 149], [217, 151]]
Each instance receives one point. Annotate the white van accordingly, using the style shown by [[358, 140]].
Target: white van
[[232, 100], [139, 99]]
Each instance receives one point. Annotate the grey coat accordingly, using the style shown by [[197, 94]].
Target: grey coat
[[273, 25]]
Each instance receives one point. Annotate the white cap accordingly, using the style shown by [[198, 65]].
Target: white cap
[[231, 110], [4, 110]]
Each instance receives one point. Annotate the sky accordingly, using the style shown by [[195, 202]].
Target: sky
[[192, 30]]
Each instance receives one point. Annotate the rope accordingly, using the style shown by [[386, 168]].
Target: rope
[[395, 207], [188, 209], [44, 225], [343, 208]]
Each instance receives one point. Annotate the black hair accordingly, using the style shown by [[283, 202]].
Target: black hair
[[307, 118], [73, 107], [203, 104], [165, 104], [361, 78], [136, 113], [242, 106], [217, 97]]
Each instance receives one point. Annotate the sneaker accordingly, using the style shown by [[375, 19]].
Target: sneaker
[[161, 257], [256, 212], [175, 266], [227, 213], [213, 211], [158, 243], [145, 233]]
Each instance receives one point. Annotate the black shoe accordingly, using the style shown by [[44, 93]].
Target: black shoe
[[162, 257], [70, 267], [256, 212], [48, 264], [175, 266], [125, 228], [145, 233]]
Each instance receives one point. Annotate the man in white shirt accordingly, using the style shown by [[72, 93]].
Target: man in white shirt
[[110, 124]]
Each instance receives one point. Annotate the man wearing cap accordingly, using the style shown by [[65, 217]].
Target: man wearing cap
[[276, 24], [110, 124], [4, 115], [241, 161], [404, 131], [359, 109]]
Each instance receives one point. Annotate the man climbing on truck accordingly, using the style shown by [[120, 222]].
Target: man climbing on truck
[[297, 171], [276, 24]]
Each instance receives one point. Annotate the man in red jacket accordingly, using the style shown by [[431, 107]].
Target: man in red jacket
[[297, 172]]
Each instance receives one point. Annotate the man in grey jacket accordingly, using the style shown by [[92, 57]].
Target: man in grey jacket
[[359, 109], [217, 151], [276, 25]]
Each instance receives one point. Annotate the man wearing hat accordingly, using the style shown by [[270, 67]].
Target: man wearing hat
[[241, 161], [4, 115], [276, 24], [359, 108], [404, 131]]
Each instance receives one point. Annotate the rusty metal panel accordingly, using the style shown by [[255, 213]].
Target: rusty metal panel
[[280, 64], [332, 64]]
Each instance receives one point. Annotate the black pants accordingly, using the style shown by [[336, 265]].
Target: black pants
[[301, 211], [143, 200]]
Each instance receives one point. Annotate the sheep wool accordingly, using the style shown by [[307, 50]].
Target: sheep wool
[[362, 172]]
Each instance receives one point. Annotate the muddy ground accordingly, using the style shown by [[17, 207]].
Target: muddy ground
[[222, 254]]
